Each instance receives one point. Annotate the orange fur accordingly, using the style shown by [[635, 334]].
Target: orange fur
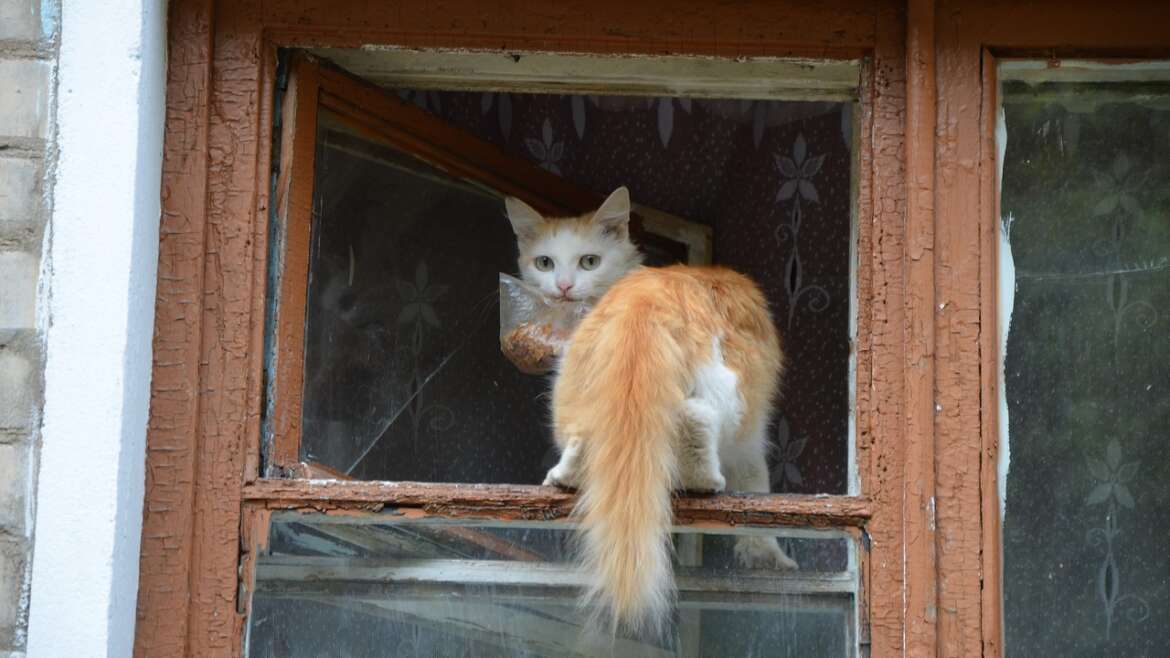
[[628, 370]]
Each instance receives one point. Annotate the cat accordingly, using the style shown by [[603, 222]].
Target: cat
[[668, 382]]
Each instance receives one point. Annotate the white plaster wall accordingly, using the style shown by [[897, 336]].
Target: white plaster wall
[[102, 252]]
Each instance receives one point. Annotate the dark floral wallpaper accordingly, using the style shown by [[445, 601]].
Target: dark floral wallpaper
[[773, 180]]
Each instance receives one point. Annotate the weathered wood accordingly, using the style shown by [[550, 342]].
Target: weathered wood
[[881, 332], [165, 565], [840, 29], [255, 526], [919, 502], [970, 553], [553, 73], [294, 208], [227, 361], [547, 503]]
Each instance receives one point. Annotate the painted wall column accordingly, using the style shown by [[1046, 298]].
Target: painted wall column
[[101, 263]]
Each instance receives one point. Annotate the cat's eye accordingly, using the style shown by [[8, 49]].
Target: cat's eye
[[590, 261], [543, 263]]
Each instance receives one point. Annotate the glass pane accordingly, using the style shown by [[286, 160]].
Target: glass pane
[[1085, 286], [402, 362], [383, 586], [404, 379]]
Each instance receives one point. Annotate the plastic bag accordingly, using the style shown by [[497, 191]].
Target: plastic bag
[[534, 329]]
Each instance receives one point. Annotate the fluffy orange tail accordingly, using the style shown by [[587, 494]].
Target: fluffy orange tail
[[627, 383]]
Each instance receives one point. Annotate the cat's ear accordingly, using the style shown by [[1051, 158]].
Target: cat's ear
[[525, 220], [614, 213]]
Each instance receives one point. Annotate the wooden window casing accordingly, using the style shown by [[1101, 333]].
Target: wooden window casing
[[311, 86], [925, 433], [206, 447]]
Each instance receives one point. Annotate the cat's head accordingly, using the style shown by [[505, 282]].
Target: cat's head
[[576, 258]]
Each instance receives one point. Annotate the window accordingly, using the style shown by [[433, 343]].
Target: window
[[384, 361], [1085, 293]]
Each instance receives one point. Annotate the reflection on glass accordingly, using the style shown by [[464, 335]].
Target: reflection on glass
[[1085, 282], [387, 587], [404, 379]]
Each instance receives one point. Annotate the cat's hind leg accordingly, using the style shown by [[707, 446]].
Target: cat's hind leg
[[709, 415], [698, 448], [746, 467], [762, 553]]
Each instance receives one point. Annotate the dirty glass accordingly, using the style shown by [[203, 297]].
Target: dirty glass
[[403, 376], [1085, 319], [404, 379], [383, 586]]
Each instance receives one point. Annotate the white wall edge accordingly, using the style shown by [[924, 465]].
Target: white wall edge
[[100, 266], [1006, 304]]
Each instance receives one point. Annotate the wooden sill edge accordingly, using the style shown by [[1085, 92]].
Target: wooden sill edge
[[511, 501]]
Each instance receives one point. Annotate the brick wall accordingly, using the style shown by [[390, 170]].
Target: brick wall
[[28, 52]]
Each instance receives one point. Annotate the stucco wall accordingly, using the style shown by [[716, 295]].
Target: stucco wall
[[102, 256], [81, 116], [28, 54]]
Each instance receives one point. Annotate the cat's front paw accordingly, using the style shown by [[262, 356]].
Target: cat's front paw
[[762, 553]]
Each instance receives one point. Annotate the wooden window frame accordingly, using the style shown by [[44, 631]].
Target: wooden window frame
[[205, 450], [976, 36], [312, 85], [926, 511]]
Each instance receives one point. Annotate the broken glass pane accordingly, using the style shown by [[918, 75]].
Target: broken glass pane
[[403, 376]]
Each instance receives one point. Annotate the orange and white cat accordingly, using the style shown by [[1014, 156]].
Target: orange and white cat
[[667, 383]]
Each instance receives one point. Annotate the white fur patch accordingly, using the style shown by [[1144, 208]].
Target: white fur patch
[[718, 387]]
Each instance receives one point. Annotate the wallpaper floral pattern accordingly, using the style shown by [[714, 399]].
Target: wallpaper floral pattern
[[771, 178]]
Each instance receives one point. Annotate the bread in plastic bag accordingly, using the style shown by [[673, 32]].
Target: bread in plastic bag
[[535, 329]]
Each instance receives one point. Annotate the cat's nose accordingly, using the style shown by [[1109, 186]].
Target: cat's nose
[[564, 286]]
